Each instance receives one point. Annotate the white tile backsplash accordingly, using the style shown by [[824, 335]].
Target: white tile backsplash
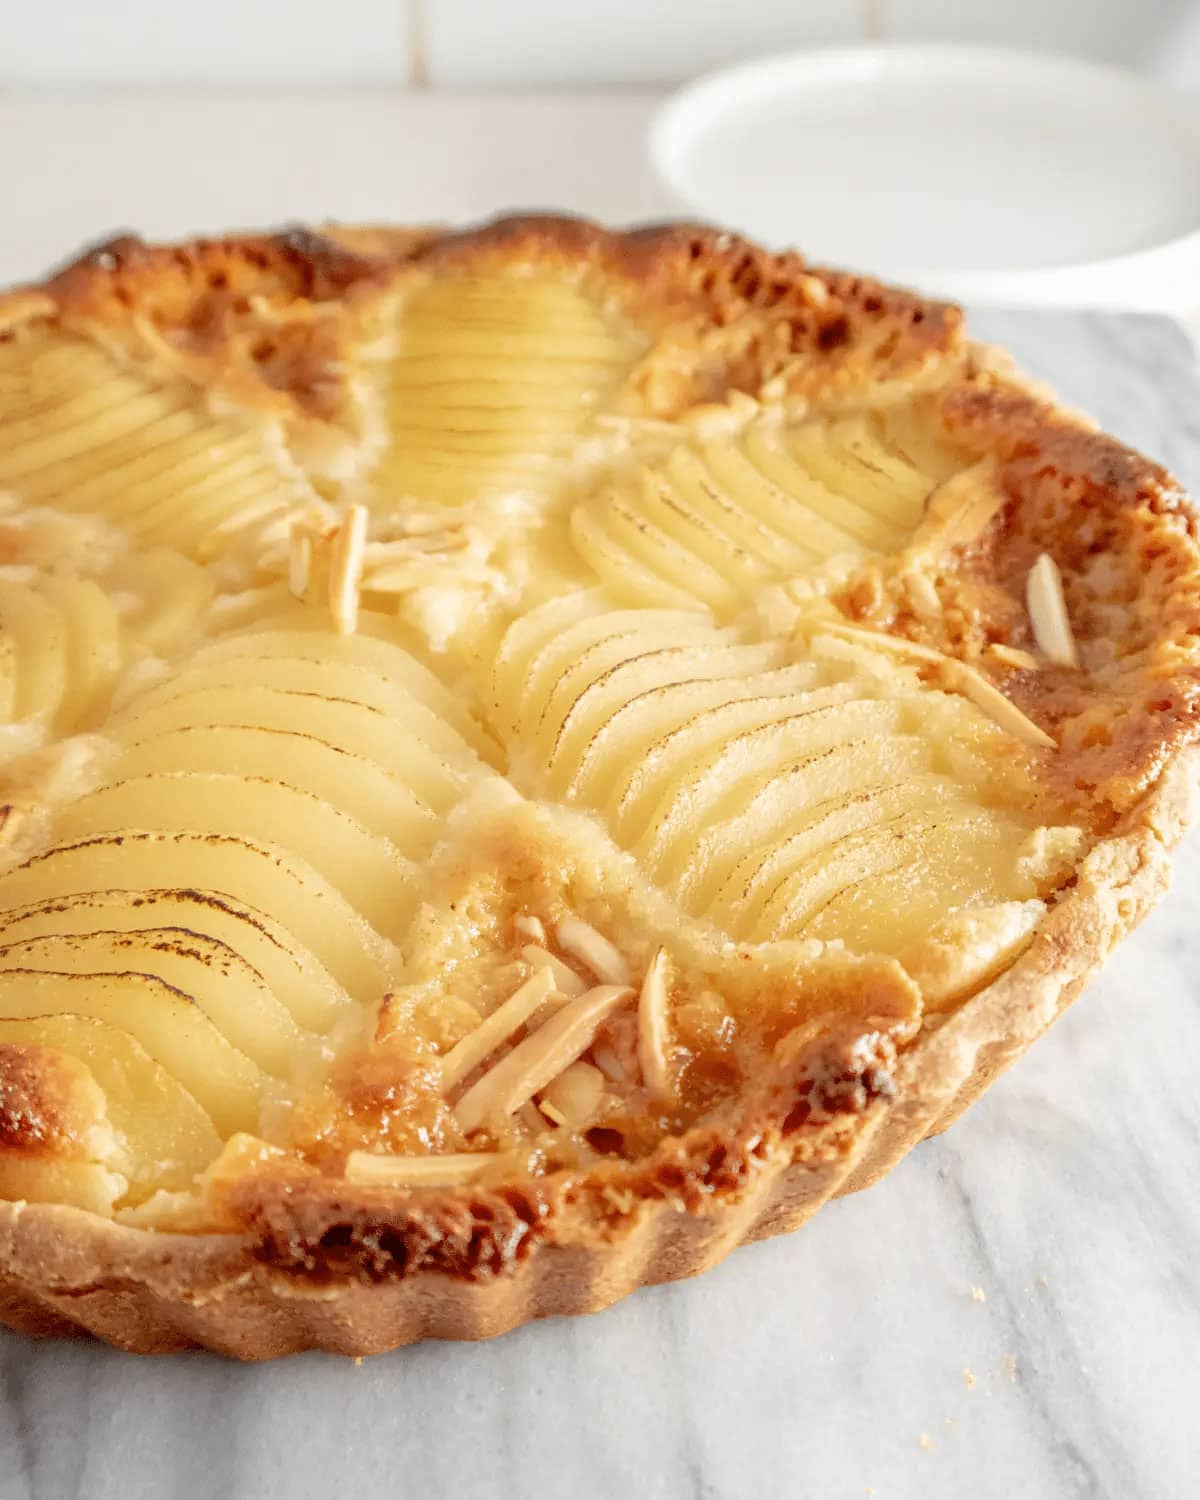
[[619, 41], [113, 41], [1138, 33], [539, 42]]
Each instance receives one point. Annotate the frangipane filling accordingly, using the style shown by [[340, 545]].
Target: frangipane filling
[[505, 806]]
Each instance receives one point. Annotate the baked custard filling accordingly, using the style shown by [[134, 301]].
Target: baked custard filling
[[502, 763]]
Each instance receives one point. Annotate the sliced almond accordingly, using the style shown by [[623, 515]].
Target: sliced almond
[[402, 577], [1047, 606], [478, 1045], [922, 595], [530, 1066], [652, 1027], [417, 1171], [566, 981], [300, 552], [531, 927], [345, 568], [581, 940], [574, 1095], [1001, 710], [1013, 656], [956, 676], [555, 1116], [879, 640]]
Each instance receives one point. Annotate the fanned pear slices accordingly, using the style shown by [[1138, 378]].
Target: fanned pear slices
[[167, 1023], [780, 791], [74, 614], [62, 642], [85, 433], [531, 704], [294, 978], [158, 1137], [235, 880], [494, 378], [228, 989], [253, 874], [716, 520]]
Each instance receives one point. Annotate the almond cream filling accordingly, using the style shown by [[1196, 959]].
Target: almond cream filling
[[493, 811]]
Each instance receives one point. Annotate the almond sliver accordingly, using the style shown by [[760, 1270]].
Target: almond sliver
[[652, 1027], [1013, 656], [555, 1116], [346, 566], [566, 981], [1048, 612], [300, 549], [530, 927], [414, 1171], [575, 1095], [957, 676], [582, 941], [478, 1045], [531, 1064], [1001, 710]]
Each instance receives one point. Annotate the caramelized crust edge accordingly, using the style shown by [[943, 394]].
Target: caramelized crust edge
[[320, 1263]]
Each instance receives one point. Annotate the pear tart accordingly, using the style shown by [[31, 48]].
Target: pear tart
[[531, 757]]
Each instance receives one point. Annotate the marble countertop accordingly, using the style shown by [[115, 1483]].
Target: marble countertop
[[1013, 1311]]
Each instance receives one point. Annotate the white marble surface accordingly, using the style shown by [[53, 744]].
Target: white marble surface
[[1047, 1245]]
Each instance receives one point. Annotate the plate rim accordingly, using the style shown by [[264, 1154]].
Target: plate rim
[[1163, 276]]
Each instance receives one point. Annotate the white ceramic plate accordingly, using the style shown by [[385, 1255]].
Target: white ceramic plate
[[976, 173]]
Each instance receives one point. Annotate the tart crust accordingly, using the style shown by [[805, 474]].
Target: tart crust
[[358, 1271], [321, 1262]]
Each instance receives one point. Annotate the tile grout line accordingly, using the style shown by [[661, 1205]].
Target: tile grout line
[[873, 19], [417, 42]]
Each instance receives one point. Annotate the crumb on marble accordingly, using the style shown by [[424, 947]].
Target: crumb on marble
[[978, 1294], [968, 1378], [1043, 1281], [926, 1442], [1009, 1365]]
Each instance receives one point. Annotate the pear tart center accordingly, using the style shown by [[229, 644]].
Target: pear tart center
[[505, 805]]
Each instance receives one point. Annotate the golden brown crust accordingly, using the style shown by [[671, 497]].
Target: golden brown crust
[[310, 1226], [270, 318], [243, 313], [53, 1131], [731, 315], [312, 1260], [40, 1103], [358, 1273], [1085, 497], [1127, 541]]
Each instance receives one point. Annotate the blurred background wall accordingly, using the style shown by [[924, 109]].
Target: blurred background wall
[[545, 42], [178, 117]]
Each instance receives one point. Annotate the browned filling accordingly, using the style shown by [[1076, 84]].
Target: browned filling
[[481, 709]]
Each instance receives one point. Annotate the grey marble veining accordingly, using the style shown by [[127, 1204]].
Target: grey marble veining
[[1012, 1312]]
